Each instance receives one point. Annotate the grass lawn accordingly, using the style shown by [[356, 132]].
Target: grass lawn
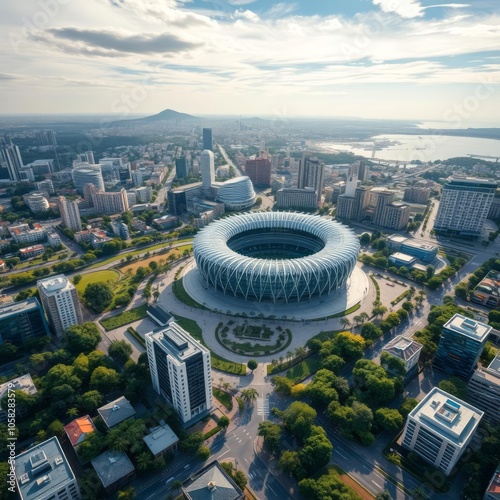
[[125, 318], [306, 367], [181, 294], [95, 277], [224, 398], [156, 258]]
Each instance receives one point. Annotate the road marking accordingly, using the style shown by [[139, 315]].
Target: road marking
[[272, 490], [245, 460], [376, 484], [343, 456], [262, 407], [227, 451]]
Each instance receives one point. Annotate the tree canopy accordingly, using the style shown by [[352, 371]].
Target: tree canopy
[[98, 296]]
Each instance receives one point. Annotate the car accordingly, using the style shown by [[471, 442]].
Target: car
[[169, 480], [389, 284], [187, 466]]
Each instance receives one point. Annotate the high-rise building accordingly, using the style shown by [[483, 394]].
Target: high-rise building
[[89, 157], [363, 170], [483, 391], [22, 321], [395, 216], [12, 157], [416, 194], [207, 168], [296, 199], [461, 343], [181, 167], [353, 207], [44, 473], [70, 214], [180, 371], [60, 302], [440, 428], [86, 173], [106, 202], [207, 139], [121, 170], [144, 194], [259, 171], [384, 198], [464, 206], [311, 173]]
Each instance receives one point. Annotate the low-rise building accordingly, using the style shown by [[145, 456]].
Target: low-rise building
[[423, 251], [114, 469], [407, 350], [23, 383], [116, 412], [440, 428], [399, 259], [165, 222], [23, 234], [493, 490], [53, 238], [78, 430], [36, 202], [161, 440], [487, 292], [31, 251], [44, 473]]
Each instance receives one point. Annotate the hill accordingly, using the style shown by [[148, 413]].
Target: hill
[[167, 115]]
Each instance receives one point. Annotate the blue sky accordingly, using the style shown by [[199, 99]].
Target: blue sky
[[410, 59]]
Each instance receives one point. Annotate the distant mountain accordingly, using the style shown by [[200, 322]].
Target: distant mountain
[[167, 115]]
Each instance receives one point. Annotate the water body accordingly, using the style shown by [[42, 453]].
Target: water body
[[406, 148]]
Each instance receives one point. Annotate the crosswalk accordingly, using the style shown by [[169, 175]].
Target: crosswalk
[[263, 407]]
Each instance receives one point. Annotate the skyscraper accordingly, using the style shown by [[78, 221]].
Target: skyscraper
[[89, 156], [207, 168], [12, 157], [207, 139], [180, 371], [181, 167], [464, 206], [259, 171], [60, 302], [384, 198], [311, 172], [70, 214], [461, 343], [85, 173]]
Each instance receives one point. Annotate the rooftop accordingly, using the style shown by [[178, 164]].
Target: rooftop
[[468, 327], [55, 284], [403, 257], [494, 486], [160, 439], [23, 383], [78, 429], [447, 416], [117, 411], [396, 238], [10, 309], [211, 483], [423, 246], [42, 470], [402, 347], [158, 315], [491, 373], [111, 466]]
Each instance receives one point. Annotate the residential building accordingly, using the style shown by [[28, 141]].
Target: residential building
[[417, 195], [483, 391], [180, 371], [461, 343], [311, 173], [487, 292], [96, 237], [78, 430], [12, 158], [115, 470], [44, 473], [31, 251], [440, 428], [396, 216], [494, 211], [423, 252], [41, 167], [144, 194], [293, 198], [23, 234], [120, 169], [363, 170], [60, 302], [211, 483], [45, 185], [464, 206], [137, 177], [107, 202], [408, 351], [53, 238], [86, 173], [23, 383], [165, 221], [22, 321], [493, 490], [116, 412], [181, 167], [207, 139], [70, 214], [384, 198], [259, 171], [120, 229], [207, 168], [161, 440], [399, 259], [353, 207]]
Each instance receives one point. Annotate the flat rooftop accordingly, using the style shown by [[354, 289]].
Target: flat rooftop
[[403, 257], [23, 383], [402, 347], [447, 416], [423, 246], [469, 327], [396, 238], [160, 439], [14, 308], [42, 470], [55, 284]]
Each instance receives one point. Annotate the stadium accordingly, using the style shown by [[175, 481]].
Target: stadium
[[276, 256]]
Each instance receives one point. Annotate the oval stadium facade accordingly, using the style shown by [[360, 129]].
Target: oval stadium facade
[[276, 256]]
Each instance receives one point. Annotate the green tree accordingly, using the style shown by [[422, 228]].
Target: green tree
[[282, 385], [90, 401], [249, 395], [333, 363], [407, 406], [370, 331], [82, 338], [105, 380], [388, 419], [223, 422], [192, 442], [120, 351], [203, 453], [364, 239], [126, 494], [252, 364], [454, 386], [348, 346], [385, 495], [298, 419], [317, 450], [271, 434], [98, 296], [290, 462], [77, 278]]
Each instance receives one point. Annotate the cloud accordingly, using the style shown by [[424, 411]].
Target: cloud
[[240, 2], [246, 14], [104, 42], [406, 9], [281, 9]]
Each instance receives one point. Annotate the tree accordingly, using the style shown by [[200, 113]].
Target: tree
[[317, 450], [249, 395], [126, 494], [282, 384], [364, 239], [223, 422], [203, 453], [271, 434], [345, 323], [120, 351], [388, 419], [105, 380], [407, 406], [77, 278], [290, 462], [407, 306], [379, 311], [348, 346], [298, 419], [454, 386], [192, 442], [82, 338], [402, 313], [429, 272], [333, 363], [98, 296], [90, 401], [370, 331], [385, 495], [252, 364]]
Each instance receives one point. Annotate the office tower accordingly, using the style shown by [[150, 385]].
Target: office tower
[[137, 177], [353, 207], [483, 391], [384, 198], [85, 173], [296, 199], [12, 157], [181, 167], [395, 216], [362, 196], [180, 371], [41, 167], [418, 195], [352, 181], [461, 343], [440, 428], [207, 139], [106, 202], [89, 157], [121, 171], [45, 185], [363, 170], [22, 321], [60, 302], [44, 473], [70, 214], [311, 172], [464, 206], [259, 171], [207, 168]]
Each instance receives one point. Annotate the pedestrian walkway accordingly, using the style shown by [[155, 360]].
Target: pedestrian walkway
[[263, 407]]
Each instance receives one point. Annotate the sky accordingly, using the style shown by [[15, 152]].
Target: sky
[[396, 59]]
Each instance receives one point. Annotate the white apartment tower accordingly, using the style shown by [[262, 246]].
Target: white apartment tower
[[207, 168], [12, 157], [464, 206], [70, 214], [180, 371], [60, 302]]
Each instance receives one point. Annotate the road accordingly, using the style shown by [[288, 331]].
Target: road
[[229, 161]]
